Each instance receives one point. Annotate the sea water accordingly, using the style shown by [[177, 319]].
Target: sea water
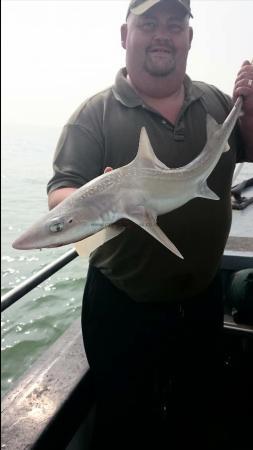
[[34, 322], [38, 319]]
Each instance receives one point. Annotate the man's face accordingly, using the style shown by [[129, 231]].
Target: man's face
[[158, 41]]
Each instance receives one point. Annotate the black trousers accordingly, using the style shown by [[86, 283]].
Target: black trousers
[[156, 367]]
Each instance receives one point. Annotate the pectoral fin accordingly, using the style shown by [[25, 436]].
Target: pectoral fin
[[89, 244], [148, 223], [158, 234]]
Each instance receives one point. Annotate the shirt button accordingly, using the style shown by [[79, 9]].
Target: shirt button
[[164, 122]]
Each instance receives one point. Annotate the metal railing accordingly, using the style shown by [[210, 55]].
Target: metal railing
[[26, 286]]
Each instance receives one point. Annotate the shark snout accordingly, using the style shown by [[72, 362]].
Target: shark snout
[[24, 242]]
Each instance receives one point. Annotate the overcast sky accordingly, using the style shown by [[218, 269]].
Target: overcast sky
[[56, 53]]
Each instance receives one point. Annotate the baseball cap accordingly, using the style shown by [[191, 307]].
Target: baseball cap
[[139, 7]]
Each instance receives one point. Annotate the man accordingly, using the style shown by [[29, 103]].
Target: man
[[151, 322]]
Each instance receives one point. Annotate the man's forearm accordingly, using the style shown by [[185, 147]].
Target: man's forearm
[[57, 196]]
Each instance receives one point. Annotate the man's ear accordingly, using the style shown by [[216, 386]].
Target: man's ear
[[190, 37], [123, 32]]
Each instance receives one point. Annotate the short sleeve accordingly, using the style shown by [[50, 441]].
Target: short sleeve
[[79, 153]]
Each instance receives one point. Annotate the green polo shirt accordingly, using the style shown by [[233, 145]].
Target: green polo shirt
[[105, 131]]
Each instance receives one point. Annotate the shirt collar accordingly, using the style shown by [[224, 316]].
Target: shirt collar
[[124, 93]]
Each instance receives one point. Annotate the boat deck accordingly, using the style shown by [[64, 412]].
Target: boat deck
[[241, 233]]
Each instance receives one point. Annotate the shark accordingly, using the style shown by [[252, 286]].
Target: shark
[[139, 191]]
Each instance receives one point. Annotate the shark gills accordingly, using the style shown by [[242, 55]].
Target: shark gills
[[139, 191]]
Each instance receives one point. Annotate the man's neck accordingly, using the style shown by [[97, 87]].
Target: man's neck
[[168, 105]]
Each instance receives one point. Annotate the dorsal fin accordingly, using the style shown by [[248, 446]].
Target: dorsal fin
[[145, 155]]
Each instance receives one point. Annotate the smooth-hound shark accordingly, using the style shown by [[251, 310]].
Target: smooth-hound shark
[[139, 191]]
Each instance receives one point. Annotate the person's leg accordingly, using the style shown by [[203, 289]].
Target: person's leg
[[120, 342], [200, 380]]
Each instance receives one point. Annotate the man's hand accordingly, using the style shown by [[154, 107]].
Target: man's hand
[[244, 87], [108, 169]]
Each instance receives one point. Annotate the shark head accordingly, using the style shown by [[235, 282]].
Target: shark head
[[59, 227]]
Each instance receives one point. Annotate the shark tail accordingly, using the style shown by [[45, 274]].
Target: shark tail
[[213, 127]]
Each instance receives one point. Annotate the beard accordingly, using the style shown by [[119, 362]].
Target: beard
[[159, 63]]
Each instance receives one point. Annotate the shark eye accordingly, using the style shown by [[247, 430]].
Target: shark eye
[[56, 226]]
